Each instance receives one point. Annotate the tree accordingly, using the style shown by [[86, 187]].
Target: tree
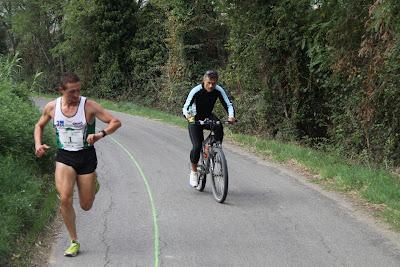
[[195, 41], [148, 56], [32, 29]]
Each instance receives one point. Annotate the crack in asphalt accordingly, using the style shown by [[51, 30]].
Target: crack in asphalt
[[105, 231], [106, 215]]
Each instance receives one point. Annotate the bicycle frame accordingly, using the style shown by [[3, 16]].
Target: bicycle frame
[[212, 156], [209, 143]]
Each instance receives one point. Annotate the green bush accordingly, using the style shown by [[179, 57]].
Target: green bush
[[22, 188], [18, 118]]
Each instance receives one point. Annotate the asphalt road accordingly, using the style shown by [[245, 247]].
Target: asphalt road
[[145, 213]]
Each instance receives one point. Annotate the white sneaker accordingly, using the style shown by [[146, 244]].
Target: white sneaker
[[194, 178]]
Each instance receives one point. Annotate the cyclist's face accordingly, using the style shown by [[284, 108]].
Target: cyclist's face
[[209, 84], [72, 92]]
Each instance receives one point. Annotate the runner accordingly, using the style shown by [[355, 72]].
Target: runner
[[74, 118]]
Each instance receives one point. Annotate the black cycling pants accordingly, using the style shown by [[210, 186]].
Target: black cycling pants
[[197, 137]]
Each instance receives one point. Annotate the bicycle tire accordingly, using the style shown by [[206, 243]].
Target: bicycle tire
[[219, 175], [202, 173]]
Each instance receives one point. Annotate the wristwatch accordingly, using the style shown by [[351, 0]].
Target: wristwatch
[[103, 132]]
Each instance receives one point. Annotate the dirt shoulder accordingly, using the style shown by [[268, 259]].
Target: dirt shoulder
[[39, 256]]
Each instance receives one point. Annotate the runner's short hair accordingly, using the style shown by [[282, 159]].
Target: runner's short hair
[[69, 77]]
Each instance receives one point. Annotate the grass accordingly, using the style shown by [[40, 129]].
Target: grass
[[23, 254], [24, 181], [137, 110], [377, 188]]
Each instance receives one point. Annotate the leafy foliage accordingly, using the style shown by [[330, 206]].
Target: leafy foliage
[[21, 189], [148, 56], [195, 41], [33, 31], [322, 73]]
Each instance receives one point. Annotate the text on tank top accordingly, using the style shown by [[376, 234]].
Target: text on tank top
[[72, 131]]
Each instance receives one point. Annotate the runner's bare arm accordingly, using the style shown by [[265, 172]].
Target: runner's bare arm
[[99, 112], [40, 149]]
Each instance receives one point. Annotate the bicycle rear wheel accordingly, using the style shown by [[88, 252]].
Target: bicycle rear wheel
[[219, 175], [202, 169]]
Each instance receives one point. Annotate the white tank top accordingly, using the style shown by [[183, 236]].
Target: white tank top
[[72, 131]]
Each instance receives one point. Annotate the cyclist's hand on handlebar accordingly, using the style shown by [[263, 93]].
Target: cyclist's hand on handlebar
[[190, 118]]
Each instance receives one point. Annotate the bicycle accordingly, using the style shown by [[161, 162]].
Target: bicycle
[[212, 161]]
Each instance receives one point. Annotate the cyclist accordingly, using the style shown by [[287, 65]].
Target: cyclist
[[199, 106], [74, 119]]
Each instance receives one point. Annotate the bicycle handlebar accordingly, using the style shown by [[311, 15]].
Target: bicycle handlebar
[[213, 122]]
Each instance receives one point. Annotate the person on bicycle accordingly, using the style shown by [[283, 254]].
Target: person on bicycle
[[199, 105], [74, 119]]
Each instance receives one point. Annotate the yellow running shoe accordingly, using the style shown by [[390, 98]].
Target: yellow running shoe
[[73, 249], [97, 186]]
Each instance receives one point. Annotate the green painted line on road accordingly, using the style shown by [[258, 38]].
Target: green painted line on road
[[153, 207]]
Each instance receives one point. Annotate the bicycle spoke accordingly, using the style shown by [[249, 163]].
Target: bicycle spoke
[[218, 176], [202, 168]]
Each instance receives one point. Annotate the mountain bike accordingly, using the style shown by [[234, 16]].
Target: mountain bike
[[212, 161]]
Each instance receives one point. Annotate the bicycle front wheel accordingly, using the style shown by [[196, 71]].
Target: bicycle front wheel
[[219, 175], [202, 169]]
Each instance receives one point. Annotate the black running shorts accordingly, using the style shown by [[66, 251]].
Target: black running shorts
[[83, 161]]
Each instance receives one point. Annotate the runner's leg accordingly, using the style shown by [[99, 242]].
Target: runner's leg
[[65, 177], [87, 190]]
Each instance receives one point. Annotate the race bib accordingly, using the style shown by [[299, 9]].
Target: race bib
[[71, 139]]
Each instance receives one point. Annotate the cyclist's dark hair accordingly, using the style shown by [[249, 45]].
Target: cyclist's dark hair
[[69, 77], [212, 74]]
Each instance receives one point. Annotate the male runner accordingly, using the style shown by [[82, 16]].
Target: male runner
[[74, 118]]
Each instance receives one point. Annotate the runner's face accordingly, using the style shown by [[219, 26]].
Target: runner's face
[[72, 92], [209, 84]]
